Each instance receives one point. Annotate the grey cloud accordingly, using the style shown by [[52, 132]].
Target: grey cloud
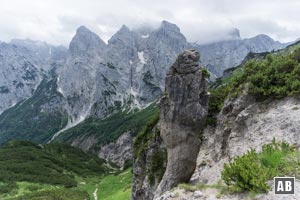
[[55, 21]]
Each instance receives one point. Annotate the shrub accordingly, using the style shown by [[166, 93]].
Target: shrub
[[219, 90], [157, 166], [7, 187], [276, 75], [251, 171], [140, 141], [215, 104], [246, 173], [205, 73]]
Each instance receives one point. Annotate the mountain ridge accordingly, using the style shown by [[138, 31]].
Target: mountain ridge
[[97, 80]]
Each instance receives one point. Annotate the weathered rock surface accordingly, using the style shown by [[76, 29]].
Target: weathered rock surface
[[118, 152], [243, 124], [182, 118], [23, 66]]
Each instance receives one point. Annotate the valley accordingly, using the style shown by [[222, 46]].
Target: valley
[[148, 115], [58, 171]]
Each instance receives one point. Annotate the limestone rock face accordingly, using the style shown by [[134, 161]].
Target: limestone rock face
[[242, 124], [118, 152], [24, 63], [182, 118]]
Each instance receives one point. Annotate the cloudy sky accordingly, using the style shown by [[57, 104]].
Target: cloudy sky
[[55, 21]]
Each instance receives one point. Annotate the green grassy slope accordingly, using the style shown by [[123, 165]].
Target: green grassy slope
[[116, 186], [110, 187], [52, 171]]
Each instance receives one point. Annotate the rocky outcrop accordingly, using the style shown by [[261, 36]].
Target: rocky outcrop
[[243, 124], [183, 113], [118, 152]]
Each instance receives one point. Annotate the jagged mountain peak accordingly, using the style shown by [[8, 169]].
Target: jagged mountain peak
[[266, 39], [124, 28], [84, 33], [165, 25], [123, 37], [263, 37], [83, 29], [123, 33], [168, 34], [85, 41]]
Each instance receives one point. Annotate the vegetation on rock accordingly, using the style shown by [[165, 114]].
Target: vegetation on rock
[[276, 75], [140, 141]]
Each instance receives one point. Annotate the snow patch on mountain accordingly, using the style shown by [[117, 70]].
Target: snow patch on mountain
[[141, 57], [145, 36]]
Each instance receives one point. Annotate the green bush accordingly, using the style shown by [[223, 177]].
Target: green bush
[[251, 171], [215, 104], [276, 75], [144, 135], [157, 166], [272, 155], [246, 173], [205, 73], [7, 187], [219, 90]]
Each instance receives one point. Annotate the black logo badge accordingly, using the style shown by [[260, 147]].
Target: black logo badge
[[284, 185]]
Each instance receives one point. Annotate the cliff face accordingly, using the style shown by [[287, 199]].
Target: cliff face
[[149, 165], [183, 114], [24, 64], [118, 152], [182, 117]]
